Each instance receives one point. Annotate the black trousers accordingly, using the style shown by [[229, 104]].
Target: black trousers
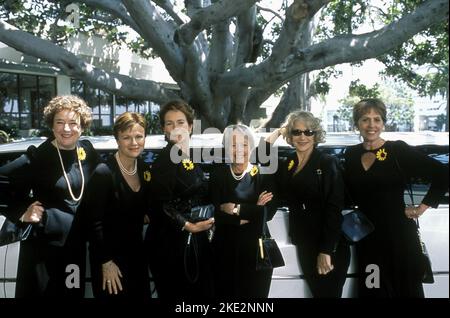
[[324, 286]]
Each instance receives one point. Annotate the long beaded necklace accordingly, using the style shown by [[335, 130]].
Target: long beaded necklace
[[67, 178], [122, 168]]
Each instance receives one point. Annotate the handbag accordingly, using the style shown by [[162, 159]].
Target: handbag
[[427, 276], [201, 213], [11, 233], [356, 225], [268, 255]]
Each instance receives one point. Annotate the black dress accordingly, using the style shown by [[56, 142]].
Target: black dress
[[394, 244], [236, 246], [315, 204], [116, 219], [57, 240], [179, 269]]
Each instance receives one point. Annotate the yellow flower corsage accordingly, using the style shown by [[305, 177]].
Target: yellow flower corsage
[[147, 176], [254, 171], [81, 153], [291, 165], [381, 154], [188, 164]]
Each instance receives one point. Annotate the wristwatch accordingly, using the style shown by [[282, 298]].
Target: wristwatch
[[236, 209]]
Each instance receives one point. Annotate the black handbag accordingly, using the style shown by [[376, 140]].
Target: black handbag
[[427, 269], [201, 213], [356, 225], [268, 255], [11, 233]]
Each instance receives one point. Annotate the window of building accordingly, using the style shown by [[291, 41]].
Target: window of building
[[106, 106], [22, 99]]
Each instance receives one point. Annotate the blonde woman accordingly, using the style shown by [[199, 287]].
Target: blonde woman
[[312, 184], [116, 203]]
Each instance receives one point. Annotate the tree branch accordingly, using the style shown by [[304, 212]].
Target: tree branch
[[71, 65], [116, 8], [341, 49], [210, 15], [168, 7], [158, 33], [298, 13]]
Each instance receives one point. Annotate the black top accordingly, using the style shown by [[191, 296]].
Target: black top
[[315, 202], [224, 189], [383, 184], [116, 211], [42, 174], [175, 188]]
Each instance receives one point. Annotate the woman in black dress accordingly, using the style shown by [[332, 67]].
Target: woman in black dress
[[312, 184], [115, 205], [178, 246], [57, 174], [376, 172], [239, 196]]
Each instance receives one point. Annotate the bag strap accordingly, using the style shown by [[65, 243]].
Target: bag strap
[[407, 184], [264, 232]]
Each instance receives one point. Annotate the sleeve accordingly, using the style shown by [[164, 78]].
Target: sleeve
[[16, 185], [414, 163], [216, 194], [333, 189], [96, 208]]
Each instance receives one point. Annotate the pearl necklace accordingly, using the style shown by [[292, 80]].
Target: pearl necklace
[[67, 178], [239, 177], [122, 168]]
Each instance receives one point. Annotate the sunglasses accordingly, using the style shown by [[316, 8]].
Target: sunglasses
[[298, 132]]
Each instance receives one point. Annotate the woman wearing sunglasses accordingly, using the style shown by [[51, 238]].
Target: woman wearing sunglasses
[[312, 184]]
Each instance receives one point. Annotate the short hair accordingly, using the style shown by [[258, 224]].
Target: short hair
[[71, 103], [243, 129], [309, 120], [177, 105], [128, 120], [365, 105]]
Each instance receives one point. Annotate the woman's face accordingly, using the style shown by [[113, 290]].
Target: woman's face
[[370, 125], [239, 147], [300, 140], [131, 142], [176, 127], [67, 129]]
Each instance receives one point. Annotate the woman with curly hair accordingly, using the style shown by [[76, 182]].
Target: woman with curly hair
[[312, 184], [46, 190]]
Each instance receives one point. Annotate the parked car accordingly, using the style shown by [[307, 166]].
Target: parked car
[[287, 281]]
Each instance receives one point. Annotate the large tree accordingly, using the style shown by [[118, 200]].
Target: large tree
[[215, 50]]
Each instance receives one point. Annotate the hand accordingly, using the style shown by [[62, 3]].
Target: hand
[[227, 207], [34, 213], [324, 265], [412, 212], [199, 226], [146, 219], [111, 277], [179, 135], [242, 222], [264, 197]]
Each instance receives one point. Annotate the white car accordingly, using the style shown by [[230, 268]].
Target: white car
[[287, 281]]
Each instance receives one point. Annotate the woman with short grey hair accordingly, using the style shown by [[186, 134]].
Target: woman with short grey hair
[[311, 183], [239, 194]]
